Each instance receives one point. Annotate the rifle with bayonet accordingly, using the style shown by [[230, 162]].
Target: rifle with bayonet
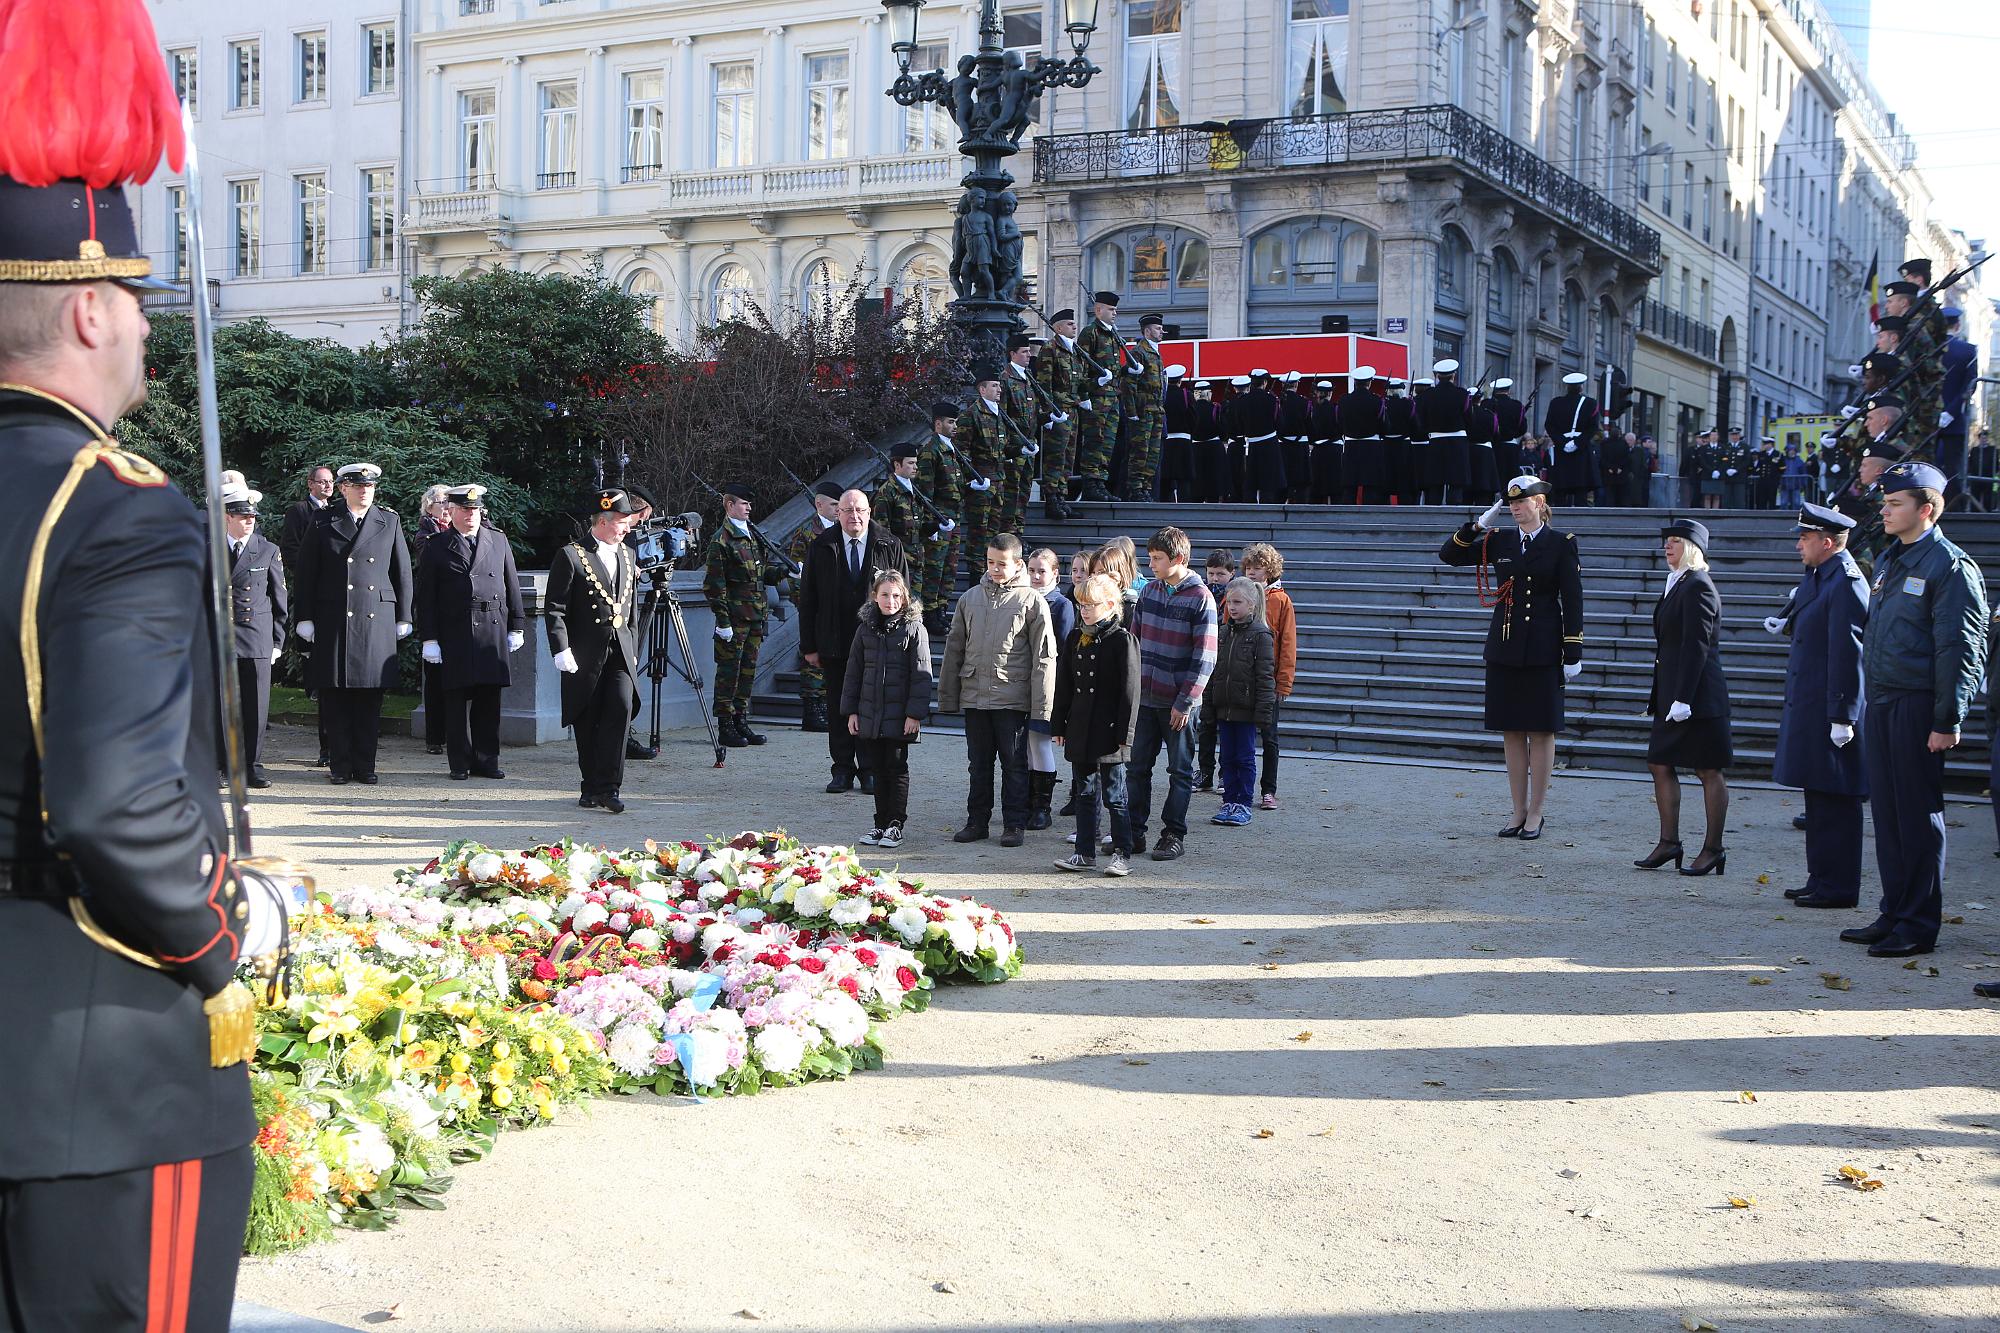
[[775, 552]]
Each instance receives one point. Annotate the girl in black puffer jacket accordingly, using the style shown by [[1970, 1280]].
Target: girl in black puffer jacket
[[886, 697], [1243, 691]]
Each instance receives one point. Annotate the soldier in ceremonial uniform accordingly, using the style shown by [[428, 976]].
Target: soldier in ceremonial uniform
[[1384, 468], [1510, 423], [1295, 430], [733, 582], [1921, 346], [1407, 464], [1571, 425], [591, 609], [354, 599], [1767, 470], [1323, 463], [1023, 416], [981, 439], [897, 508], [125, 1132], [1059, 370], [1441, 415], [1359, 416], [1922, 657], [1534, 644], [939, 479], [1211, 450], [1177, 438], [1736, 469], [1226, 414], [812, 681], [1101, 354], [1818, 747], [1142, 393], [469, 618], [1960, 362], [258, 612], [1256, 421]]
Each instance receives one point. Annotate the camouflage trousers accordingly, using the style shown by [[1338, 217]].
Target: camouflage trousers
[[1014, 496], [1097, 437], [1058, 458], [812, 681], [982, 518], [1142, 460], [736, 666], [940, 570]]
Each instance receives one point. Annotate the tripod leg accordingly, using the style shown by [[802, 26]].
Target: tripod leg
[[693, 677]]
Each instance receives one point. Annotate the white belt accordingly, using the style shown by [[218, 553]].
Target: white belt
[[1482, 444], [1447, 435], [1515, 440], [1179, 435], [1362, 439], [1259, 439], [1571, 434]]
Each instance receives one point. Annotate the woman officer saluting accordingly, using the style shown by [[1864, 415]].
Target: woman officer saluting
[[1534, 645]]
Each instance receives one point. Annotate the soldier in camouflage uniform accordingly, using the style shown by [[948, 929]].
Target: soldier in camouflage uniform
[[734, 586], [1100, 347], [897, 508], [1024, 431], [1921, 348], [812, 681], [938, 479], [1144, 397], [1059, 370], [982, 441]]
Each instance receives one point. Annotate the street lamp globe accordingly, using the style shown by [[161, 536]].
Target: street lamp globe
[[903, 29], [1080, 20]]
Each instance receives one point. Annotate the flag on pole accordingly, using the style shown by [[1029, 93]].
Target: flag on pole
[[1873, 288]]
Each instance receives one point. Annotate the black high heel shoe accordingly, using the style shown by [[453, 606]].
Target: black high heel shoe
[[1662, 853], [1511, 831], [1711, 858], [1526, 836]]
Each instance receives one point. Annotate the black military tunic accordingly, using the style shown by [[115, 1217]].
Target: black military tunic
[[1510, 423], [258, 611], [468, 602], [1441, 415], [1537, 624], [1571, 425], [355, 586], [1394, 467], [1362, 418], [1327, 452], [591, 610], [1256, 420]]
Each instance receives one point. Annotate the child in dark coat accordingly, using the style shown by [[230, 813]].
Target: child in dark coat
[[1045, 577], [1243, 692], [1096, 709], [1221, 568], [886, 696]]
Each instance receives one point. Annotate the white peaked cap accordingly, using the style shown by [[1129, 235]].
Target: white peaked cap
[[1239, 380], [1291, 377], [1176, 371], [1576, 377], [1361, 373], [1446, 367], [1503, 384]]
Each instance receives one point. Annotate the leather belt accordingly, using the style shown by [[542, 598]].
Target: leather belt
[[35, 880]]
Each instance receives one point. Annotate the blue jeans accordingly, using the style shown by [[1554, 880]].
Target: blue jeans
[[1088, 781], [1153, 733], [1238, 761]]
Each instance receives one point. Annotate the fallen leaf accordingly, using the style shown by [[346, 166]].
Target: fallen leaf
[[1303, 1036], [1930, 971], [946, 1287], [1834, 981], [749, 1313], [1739, 1201], [1326, 1133], [1434, 1083], [1693, 1325], [1954, 921], [1267, 967], [1777, 918], [1746, 1096], [1853, 1173], [1760, 981], [1910, 966], [1138, 1062], [1870, 1184], [1201, 920], [1763, 879], [1264, 1134], [1567, 1174]]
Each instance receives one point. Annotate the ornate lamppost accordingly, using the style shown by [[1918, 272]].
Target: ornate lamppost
[[991, 99]]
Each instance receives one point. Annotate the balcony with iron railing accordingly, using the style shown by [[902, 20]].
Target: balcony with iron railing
[[794, 183], [1665, 324], [1404, 137]]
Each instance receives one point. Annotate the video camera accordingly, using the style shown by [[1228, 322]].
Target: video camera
[[663, 541]]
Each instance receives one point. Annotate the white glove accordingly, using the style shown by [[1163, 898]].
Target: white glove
[[1841, 733], [304, 629], [1732, 472], [565, 661], [1030, 450], [1135, 369], [1679, 712], [1790, 595], [1104, 379], [1571, 670], [403, 629], [947, 525], [1058, 419], [1774, 624], [1848, 410], [432, 653], [1083, 403], [1492, 515], [1944, 419], [724, 633], [1569, 447], [1715, 476], [514, 640], [1833, 467], [979, 484]]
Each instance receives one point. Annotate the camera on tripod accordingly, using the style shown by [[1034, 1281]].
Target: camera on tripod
[[664, 541]]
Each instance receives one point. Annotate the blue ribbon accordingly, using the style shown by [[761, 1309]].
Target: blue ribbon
[[702, 997]]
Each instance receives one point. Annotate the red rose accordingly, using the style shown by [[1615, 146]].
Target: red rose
[[906, 978], [723, 953], [866, 957], [852, 987], [811, 964], [544, 970]]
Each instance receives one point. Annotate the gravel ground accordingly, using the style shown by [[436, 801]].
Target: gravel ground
[[1359, 1066]]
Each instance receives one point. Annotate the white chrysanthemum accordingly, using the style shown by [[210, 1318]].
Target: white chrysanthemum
[[588, 916], [582, 868], [812, 900], [851, 910], [368, 1147], [909, 921], [571, 904], [684, 930], [780, 1049], [623, 900], [747, 917], [718, 934], [994, 938], [415, 1105], [429, 879], [840, 1017], [484, 868], [964, 939], [645, 938], [631, 1049], [708, 1057]]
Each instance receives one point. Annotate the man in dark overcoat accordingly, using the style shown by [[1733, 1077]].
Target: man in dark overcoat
[[1571, 425], [470, 618], [257, 614], [840, 566], [590, 609], [355, 599]]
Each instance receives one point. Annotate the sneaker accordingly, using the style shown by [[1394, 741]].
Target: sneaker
[[1168, 848], [1070, 837], [1204, 782], [872, 838], [1076, 861], [1232, 814], [892, 837], [1119, 866], [1269, 802]]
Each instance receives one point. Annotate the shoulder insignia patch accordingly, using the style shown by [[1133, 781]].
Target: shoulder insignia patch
[[130, 468], [1571, 536]]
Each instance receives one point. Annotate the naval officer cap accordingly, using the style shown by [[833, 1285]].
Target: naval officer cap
[[1502, 385], [1291, 377], [359, 474], [1423, 383], [1818, 518], [1175, 372], [1521, 487], [1576, 377], [1260, 374], [237, 497], [1361, 374], [1240, 381], [1322, 384], [467, 497], [1688, 530], [1911, 477], [1397, 383], [1952, 314], [1446, 367]]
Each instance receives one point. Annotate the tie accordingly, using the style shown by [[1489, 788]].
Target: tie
[[853, 558]]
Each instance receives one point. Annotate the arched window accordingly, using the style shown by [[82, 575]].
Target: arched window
[[822, 288], [924, 285], [1608, 336], [1454, 280], [1572, 327], [1503, 292], [645, 285], [732, 294], [1167, 266], [1310, 267]]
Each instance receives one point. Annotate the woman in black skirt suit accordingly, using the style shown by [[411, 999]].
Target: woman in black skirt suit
[[1534, 645], [1690, 700]]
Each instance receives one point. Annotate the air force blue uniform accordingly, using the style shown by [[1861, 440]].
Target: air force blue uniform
[[1823, 688]]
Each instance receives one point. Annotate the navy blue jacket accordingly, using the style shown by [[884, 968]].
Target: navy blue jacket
[[1686, 667], [1823, 682], [1927, 627], [1961, 371]]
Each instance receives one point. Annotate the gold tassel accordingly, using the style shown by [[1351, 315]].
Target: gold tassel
[[232, 1025]]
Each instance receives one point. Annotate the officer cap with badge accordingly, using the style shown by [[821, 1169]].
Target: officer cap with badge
[[1911, 477], [1818, 518], [467, 497], [358, 474], [237, 497], [616, 500], [1524, 487]]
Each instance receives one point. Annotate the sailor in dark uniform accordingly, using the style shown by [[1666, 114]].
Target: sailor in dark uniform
[[1819, 747], [1534, 643], [1571, 425], [1229, 415], [1441, 413], [1327, 446], [1257, 422], [1211, 452], [470, 617], [258, 613], [590, 609], [1406, 465], [1295, 429], [1360, 415], [1961, 375], [1177, 443], [355, 599], [1482, 473], [1510, 423]]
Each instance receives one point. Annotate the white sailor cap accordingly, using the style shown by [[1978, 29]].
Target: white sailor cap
[[1175, 372], [1446, 367], [237, 497], [1396, 383], [364, 474], [1322, 384], [1424, 383], [1363, 373], [1260, 374], [1239, 381], [1290, 377], [1576, 377], [1503, 384]]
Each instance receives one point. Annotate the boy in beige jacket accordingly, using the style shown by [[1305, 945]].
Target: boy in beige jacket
[[1000, 671]]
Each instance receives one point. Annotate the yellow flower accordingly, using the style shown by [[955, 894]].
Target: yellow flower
[[501, 1050], [419, 1056], [503, 1096], [502, 1071], [459, 1062], [560, 1063], [537, 1044]]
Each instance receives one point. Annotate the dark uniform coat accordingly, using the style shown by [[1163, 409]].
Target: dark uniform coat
[[1441, 416], [257, 598], [1687, 668], [1510, 423], [585, 597], [108, 1060], [355, 586], [1572, 419], [468, 600], [1823, 681], [1539, 622]]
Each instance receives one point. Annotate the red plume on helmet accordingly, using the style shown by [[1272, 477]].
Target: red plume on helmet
[[84, 93]]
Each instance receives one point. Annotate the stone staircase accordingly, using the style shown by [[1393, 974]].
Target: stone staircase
[[1389, 639]]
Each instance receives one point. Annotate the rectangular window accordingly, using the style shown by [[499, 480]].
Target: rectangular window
[[827, 94], [477, 128], [1673, 73], [1667, 184], [1693, 83], [1707, 210], [186, 65], [309, 196], [735, 98], [1021, 34], [246, 227], [378, 189], [311, 83], [246, 75], [380, 41], [475, 6], [1153, 64], [560, 146], [1714, 113], [1646, 41], [926, 129], [645, 125], [177, 218], [1645, 164], [1687, 195], [1316, 59]]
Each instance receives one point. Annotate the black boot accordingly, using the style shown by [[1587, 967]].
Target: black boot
[[1094, 491], [1041, 790], [726, 732], [743, 727], [814, 709], [1069, 806], [1054, 509]]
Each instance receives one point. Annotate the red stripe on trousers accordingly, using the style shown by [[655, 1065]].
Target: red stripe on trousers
[[170, 1269]]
